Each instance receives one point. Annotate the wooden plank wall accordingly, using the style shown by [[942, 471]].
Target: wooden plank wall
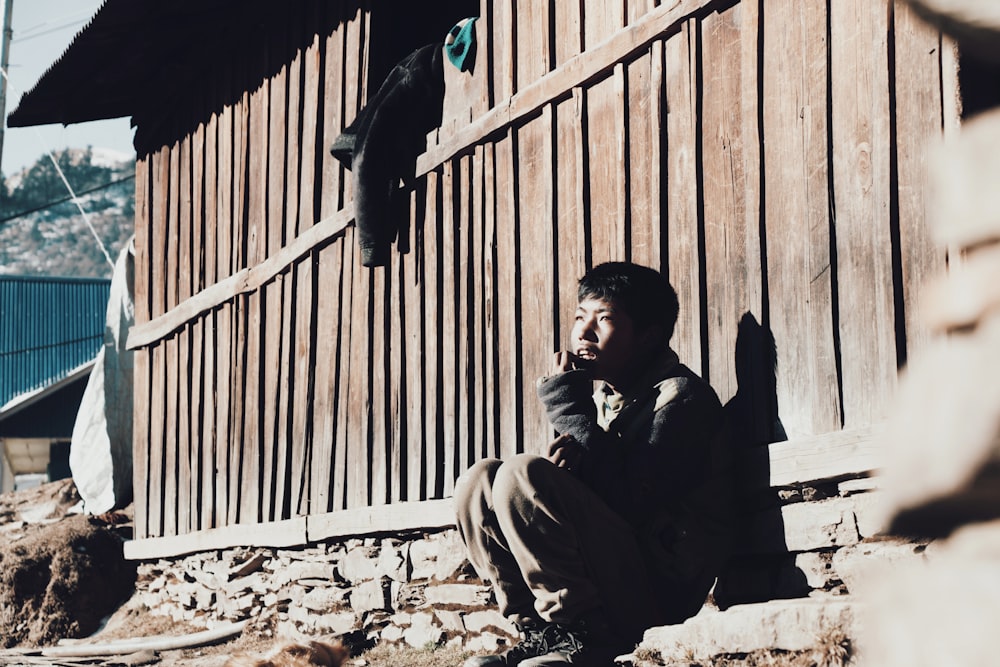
[[766, 154]]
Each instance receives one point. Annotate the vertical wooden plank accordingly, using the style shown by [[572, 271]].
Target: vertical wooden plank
[[571, 212], [538, 336], [429, 248], [289, 445], [684, 263], [172, 249], [142, 401], [491, 362], [502, 49], [480, 365], [464, 326], [797, 215], [636, 9], [346, 363], [170, 436], [378, 383], [606, 145], [916, 83], [644, 117], [359, 403], [507, 314], [450, 194], [157, 443], [302, 395], [601, 20], [860, 130], [223, 336], [731, 199], [532, 43], [569, 30], [199, 472], [275, 392], [183, 417], [412, 292], [328, 317], [396, 414], [333, 123]]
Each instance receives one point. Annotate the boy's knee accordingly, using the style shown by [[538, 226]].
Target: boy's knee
[[520, 476], [473, 484]]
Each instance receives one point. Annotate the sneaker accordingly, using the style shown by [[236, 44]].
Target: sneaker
[[536, 639], [579, 644]]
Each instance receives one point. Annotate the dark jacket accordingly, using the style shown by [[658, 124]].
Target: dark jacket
[[663, 461], [383, 142]]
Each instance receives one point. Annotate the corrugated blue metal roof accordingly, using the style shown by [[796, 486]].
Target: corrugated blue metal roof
[[48, 327]]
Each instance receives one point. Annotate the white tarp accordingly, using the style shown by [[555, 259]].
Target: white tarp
[[100, 455]]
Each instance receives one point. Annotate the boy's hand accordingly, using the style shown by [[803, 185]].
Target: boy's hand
[[565, 452], [567, 361]]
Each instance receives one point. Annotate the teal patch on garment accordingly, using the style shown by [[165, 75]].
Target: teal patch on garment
[[460, 44]]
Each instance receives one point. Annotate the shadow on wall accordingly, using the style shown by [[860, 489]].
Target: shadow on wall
[[761, 567]]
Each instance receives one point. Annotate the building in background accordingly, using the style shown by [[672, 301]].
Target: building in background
[[50, 332]]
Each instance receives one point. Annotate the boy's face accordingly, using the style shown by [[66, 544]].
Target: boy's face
[[605, 341]]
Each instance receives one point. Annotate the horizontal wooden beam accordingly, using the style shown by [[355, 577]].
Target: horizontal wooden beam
[[827, 457], [286, 533], [394, 518], [560, 82], [242, 282]]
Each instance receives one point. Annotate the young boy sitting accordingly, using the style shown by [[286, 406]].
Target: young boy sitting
[[625, 522]]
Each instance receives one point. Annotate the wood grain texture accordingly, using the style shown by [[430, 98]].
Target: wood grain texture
[[571, 237], [645, 178], [680, 54], [861, 198], [537, 328], [916, 82], [510, 381], [797, 215], [730, 160], [606, 145]]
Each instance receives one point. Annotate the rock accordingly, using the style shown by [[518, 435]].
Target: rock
[[450, 620], [861, 565], [468, 595], [477, 621], [391, 633], [392, 562], [336, 623], [324, 599], [359, 564], [422, 631], [369, 596], [851, 486], [790, 625]]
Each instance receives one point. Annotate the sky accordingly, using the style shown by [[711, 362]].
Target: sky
[[42, 30]]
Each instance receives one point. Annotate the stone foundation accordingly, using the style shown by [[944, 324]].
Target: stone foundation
[[416, 589]]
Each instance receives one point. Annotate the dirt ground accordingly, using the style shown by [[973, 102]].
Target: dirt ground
[[63, 581]]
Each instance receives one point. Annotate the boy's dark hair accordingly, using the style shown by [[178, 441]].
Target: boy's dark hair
[[643, 293]]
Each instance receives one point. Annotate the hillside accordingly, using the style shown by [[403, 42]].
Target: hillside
[[38, 237]]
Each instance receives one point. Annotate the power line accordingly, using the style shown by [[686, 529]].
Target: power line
[[49, 346], [56, 202]]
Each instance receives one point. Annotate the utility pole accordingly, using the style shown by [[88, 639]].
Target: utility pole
[[8, 33]]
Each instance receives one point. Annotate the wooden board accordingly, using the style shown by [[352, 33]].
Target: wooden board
[[645, 180], [916, 84], [377, 386], [142, 401], [328, 316], [502, 50], [413, 386], [464, 325], [491, 362], [532, 49], [731, 167], [861, 199], [797, 215], [332, 176], [538, 337], [359, 403], [572, 250], [680, 54], [345, 362], [430, 258], [508, 335], [601, 20], [568, 29], [605, 110], [449, 333]]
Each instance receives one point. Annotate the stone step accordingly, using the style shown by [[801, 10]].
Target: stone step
[[789, 625]]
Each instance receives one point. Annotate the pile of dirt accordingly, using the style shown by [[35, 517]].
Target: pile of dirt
[[60, 579]]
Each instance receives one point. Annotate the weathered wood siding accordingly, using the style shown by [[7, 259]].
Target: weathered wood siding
[[766, 154]]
